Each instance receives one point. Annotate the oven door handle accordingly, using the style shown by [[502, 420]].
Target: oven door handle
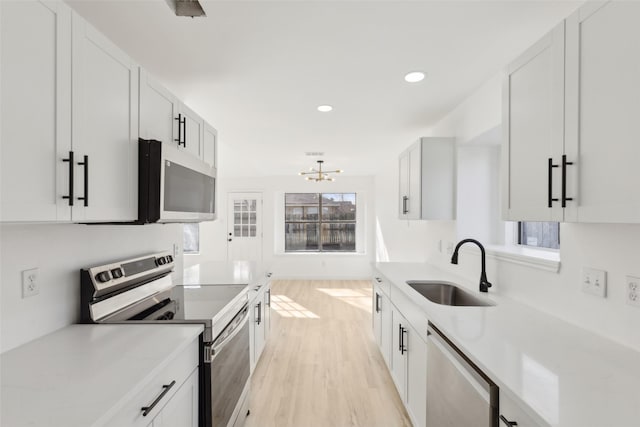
[[215, 351]]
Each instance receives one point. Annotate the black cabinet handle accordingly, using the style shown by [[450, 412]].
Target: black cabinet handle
[[268, 303], [85, 163], [379, 280], [565, 163], [71, 166], [399, 337], [259, 318], [550, 182], [405, 210], [403, 348], [184, 132], [377, 303], [507, 422], [147, 409], [182, 139]]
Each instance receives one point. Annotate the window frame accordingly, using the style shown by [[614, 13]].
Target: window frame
[[519, 229], [184, 234], [320, 221]]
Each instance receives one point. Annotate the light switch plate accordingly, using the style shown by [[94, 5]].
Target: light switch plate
[[594, 282]]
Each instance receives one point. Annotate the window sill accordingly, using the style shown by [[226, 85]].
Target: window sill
[[547, 260], [319, 253]]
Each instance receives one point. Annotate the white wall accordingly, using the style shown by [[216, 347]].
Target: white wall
[[605, 246], [59, 251], [213, 235]]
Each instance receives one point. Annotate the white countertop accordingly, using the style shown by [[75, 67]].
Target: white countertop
[[568, 376], [80, 376], [221, 273]]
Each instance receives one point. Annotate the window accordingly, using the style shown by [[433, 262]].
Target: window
[[320, 222], [539, 234], [191, 238]]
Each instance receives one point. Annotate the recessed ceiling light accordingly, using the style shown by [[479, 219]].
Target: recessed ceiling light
[[325, 108], [414, 77]]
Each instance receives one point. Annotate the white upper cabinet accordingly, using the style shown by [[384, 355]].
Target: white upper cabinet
[[165, 118], [210, 145], [35, 94], [428, 180], [533, 126], [570, 121], [603, 105], [105, 127], [158, 111], [70, 121]]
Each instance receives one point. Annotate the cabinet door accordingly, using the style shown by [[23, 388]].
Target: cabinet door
[[257, 328], [533, 126], [267, 311], [398, 353], [104, 127], [158, 111], [377, 314], [415, 181], [192, 131], [602, 113], [404, 185], [210, 145], [35, 73], [416, 377], [386, 329], [182, 409]]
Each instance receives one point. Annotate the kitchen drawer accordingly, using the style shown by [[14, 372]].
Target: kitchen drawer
[[384, 284], [177, 370], [510, 411]]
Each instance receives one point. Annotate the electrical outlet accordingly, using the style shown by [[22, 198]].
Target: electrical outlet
[[30, 283], [594, 282], [633, 291], [449, 248]]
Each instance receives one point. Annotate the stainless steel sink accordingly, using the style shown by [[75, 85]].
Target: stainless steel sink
[[447, 294]]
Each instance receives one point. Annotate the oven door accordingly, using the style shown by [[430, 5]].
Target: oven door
[[229, 370]]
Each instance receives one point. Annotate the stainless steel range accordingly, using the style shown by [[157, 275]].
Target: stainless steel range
[[141, 290]]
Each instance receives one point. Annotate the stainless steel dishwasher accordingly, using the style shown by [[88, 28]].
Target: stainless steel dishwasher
[[458, 393]]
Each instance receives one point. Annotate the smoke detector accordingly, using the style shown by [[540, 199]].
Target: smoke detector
[[190, 8]]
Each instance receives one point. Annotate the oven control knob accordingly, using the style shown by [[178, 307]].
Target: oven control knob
[[103, 277], [169, 258], [162, 260], [117, 273]]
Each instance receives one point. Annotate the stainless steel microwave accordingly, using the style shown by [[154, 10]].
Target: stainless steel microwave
[[174, 186]]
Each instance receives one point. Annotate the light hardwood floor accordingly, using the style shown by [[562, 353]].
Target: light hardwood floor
[[321, 367]]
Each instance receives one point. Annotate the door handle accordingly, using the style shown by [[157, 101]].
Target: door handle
[[85, 163], [405, 199], [550, 167], [71, 165], [564, 180], [507, 422], [165, 389]]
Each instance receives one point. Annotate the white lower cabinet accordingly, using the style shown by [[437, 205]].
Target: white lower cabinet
[[170, 399], [381, 310], [409, 367], [260, 321]]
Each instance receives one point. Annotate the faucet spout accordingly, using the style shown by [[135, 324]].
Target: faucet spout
[[484, 283]]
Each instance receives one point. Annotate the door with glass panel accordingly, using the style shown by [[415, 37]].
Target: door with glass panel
[[244, 226]]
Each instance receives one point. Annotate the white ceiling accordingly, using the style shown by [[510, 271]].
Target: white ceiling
[[258, 70]]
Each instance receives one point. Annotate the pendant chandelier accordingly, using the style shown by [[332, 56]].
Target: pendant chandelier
[[318, 174]]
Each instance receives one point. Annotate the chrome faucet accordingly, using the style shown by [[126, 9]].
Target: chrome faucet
[[484, 283]]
